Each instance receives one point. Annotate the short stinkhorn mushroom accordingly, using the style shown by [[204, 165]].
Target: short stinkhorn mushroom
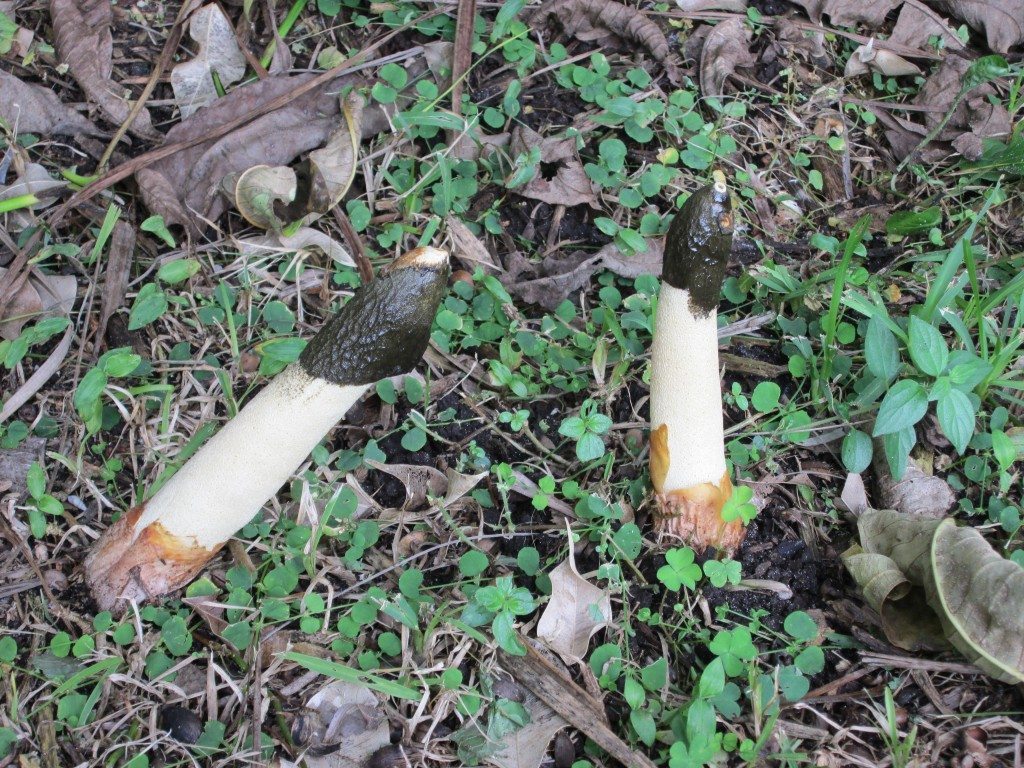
[[687, 463], [161, 544]]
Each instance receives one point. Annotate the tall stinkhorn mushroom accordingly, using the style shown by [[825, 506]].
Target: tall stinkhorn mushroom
[[688, 470], [162, 543]]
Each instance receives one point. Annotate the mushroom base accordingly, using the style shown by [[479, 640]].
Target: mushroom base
[[124, 566], [694, 517]]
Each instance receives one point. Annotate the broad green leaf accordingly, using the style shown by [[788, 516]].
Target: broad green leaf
[[903, 406], [149, 305], [856, 451], [927, 348], [881, 350], [177, 271], [956, 417], [908, 222]]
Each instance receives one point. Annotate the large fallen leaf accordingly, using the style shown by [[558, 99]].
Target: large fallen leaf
[[218, 54], [918, 24], [844, 13], [341, 726], [727, 48], [570, 184], [576, 610], [604, 20], [1002, 21], [84, 43], [40, 296], [30, 108], [187, 184], [974, 591]]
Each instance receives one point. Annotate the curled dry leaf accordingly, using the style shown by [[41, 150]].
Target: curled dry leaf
[[577, 609], [333, 167], [40, 296], [603, 20], [34, 179], [727, 48], [260, 189], [30, 108], [844, 13], [341, 726], [1002, 21], [570, 185], [82, 30], [218, 54], [974, 591]]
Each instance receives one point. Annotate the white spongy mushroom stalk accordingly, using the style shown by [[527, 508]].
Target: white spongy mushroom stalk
[[223, 486], [686, 393]]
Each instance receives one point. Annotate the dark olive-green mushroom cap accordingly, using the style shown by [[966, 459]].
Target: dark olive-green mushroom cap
[[697, 247], [384, 328]]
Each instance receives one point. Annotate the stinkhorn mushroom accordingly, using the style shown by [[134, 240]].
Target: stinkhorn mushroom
[[687, 461], [161, 544]]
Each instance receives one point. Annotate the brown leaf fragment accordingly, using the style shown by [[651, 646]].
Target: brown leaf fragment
[[84, 43], [468, 248], [726, 49], [699, 6], [603, 20], [302, 240], [418, 479], [1002, 21], [844, 13], [570, 185], [646, 263], [527, 747], [30, 108], [15, 463], [341, 726], [41, 296], [549, 282], [116, 273], [798, 37]]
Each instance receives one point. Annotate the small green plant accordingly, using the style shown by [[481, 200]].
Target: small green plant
[[586, 429], [499, 605]]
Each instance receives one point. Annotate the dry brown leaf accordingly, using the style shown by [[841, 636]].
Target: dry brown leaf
[[727, 48], [854, 495], [646, 263], [459, 485], [15, 463], [524, 486], [261, 192], [570, 185], [30, 108], [1002, 21], [116, 273], [82, 30], [799, 38], [40, 296], [977, 117], [917, 24], [189, 182], [34, 179], [844, 13], [467, 247], [916, 493], [577, 609], [418, 479], [218, 54], [341, 726], [549, 282], [603, 20], [526, 747]]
